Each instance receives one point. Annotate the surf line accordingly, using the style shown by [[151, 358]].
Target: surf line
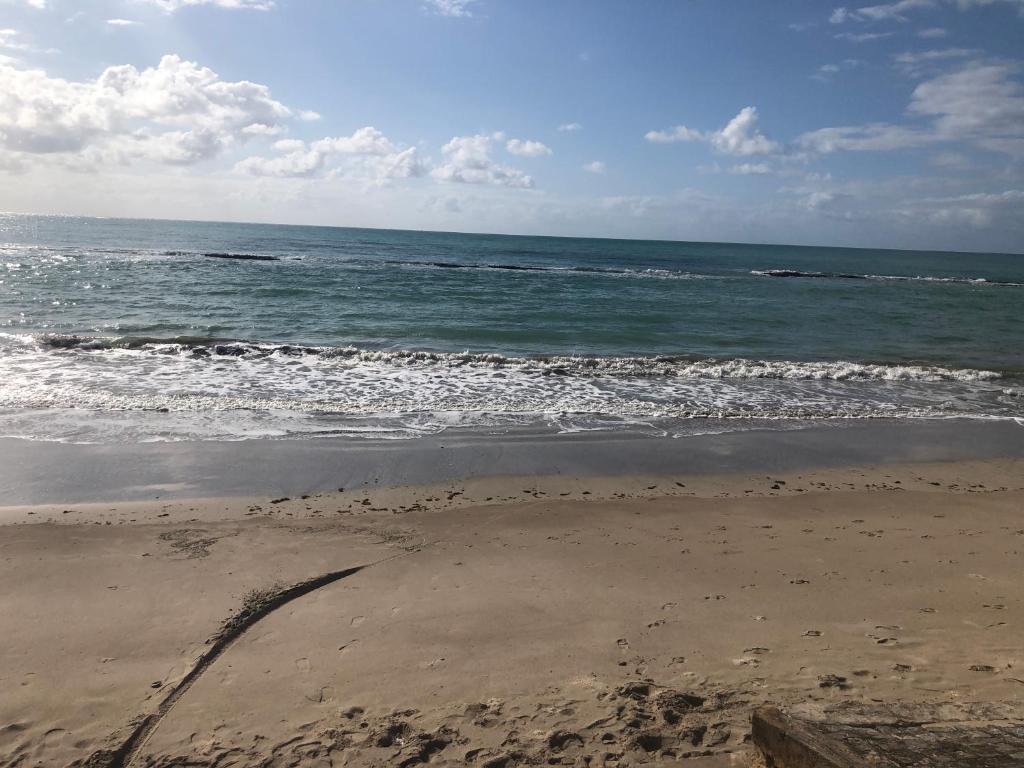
[[142, 729]]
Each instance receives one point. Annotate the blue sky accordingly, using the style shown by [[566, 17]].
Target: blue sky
[[888, 125]]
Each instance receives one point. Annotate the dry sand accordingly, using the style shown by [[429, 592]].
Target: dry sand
[[502, 622]]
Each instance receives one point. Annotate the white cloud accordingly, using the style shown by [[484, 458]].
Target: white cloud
[[596, 166], [739, 137], [11, 40], [932, 33], [365, 141], [467, 160], [176, 112], [916, 63], [672, 135], [742, 137], [174, 5], [978, 101], [40, 5], [751, 169], [884, 12], [897, 11], [123, 22], [877, 137], [570, 127], [367, 154], [455, 8], [527, 148], [862, 37], [826, 72]]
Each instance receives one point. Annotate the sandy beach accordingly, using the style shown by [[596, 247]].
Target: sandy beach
[[500, 621]]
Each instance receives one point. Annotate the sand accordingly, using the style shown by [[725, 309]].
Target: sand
[[505, 621]]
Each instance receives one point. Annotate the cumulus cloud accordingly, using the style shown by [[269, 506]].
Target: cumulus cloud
[[366, 154], [672, 135], [467, 160], [740, 136], [570, 127], [12, 40], [527, 148], [177, 112], [595, 166], [454, 8]]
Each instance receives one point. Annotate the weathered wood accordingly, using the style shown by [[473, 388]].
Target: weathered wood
[[790, 743], [920, 738]]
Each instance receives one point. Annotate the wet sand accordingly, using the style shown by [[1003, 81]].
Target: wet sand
[[505, 621], [45, 473]]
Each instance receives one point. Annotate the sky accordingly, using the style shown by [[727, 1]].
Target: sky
[[892, 125]]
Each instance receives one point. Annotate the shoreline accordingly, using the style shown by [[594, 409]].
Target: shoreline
[[34, 473], [509, 619]]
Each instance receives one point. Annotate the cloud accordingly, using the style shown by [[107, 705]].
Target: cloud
[[527, 148], [39, 5], [174, 5], [595, 166], [826, 72], [570, 127], [875, 137], [454, 8], [884, 12], [11, 40], [177, 112], [672, 135], [751, 169], [123, 22], [980, 101], [862, 37], [897, 11], [367, 154], [915, 63], [467, 160], [932, 33], [739, 137]]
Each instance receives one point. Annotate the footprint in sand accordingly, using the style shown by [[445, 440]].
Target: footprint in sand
[[303, 664], [357, 621]]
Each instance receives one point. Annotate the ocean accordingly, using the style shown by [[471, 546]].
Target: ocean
[[137, 331]]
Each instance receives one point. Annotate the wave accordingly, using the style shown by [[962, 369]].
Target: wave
[[611, 271], [554, 365], [892, 278]]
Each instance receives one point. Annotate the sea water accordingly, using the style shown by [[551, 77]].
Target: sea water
[[130, 330]]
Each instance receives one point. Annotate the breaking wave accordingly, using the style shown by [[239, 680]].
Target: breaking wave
[[555, 365], [884, 278]]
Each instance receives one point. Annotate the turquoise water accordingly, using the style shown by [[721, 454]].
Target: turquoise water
[[117, 329]]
